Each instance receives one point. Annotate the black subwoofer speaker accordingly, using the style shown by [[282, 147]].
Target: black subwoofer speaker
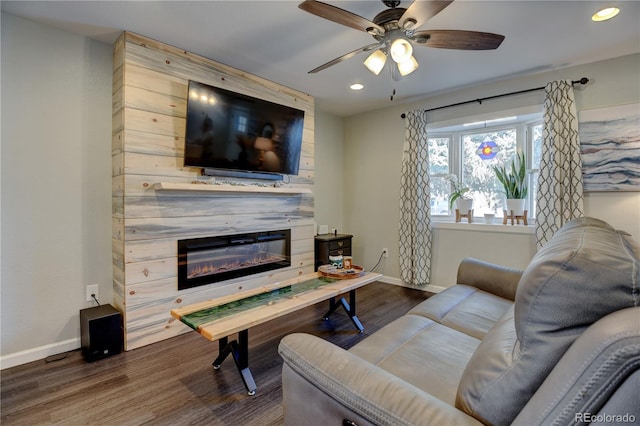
[[100, 332]]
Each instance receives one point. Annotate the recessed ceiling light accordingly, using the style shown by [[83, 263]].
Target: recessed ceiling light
[[356, 86], [604, 14]]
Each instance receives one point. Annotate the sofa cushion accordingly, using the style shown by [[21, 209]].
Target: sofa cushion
[[419, 351], [605, 359], [465, 309], [586, 271]]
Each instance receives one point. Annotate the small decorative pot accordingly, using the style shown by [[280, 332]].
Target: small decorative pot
[[517, 205], [464, 205]]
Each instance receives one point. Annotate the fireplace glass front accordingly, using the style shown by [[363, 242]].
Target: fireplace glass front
[[208, 260]]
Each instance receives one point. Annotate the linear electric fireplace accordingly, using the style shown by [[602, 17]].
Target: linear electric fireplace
[[208, 260]]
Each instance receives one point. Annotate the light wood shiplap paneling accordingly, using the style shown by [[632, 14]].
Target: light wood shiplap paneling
[[149, 108], [117, 165]]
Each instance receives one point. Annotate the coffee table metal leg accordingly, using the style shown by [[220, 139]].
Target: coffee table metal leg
[[351, 310], [332, 307], [241, 357], [349, 307], [222, 352], [240, 352]]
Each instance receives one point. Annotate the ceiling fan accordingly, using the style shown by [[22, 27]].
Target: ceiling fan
[[395, 32]]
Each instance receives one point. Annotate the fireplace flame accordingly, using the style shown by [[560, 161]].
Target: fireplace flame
[[217, 266]]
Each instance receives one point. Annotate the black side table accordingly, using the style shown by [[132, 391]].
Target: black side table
[[331, 245]]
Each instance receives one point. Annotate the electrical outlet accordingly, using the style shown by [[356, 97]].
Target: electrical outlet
[[385, 252], [92, 289]]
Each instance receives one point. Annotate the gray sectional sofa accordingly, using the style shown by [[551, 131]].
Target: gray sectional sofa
[[557, 343]]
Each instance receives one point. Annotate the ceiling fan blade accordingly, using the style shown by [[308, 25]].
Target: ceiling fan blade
[[346, 56], [338, 15], [422, 11], [459, 39]]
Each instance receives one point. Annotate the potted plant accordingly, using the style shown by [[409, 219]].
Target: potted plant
[[459, 195], [514, 181]]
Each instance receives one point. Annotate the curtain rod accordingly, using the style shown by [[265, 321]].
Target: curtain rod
[[583, 80]]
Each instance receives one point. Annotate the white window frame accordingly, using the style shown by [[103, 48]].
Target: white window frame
[[524, 143]]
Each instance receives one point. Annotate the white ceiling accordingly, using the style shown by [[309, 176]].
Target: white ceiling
[[278, 41]]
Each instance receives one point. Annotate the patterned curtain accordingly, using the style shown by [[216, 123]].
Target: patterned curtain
[[559, 196], [415, 212]]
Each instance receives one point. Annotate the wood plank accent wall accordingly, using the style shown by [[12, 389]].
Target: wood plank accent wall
[[150, 81]]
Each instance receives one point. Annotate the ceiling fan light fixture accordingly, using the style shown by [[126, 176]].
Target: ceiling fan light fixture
[[395, 32], [401, 50], [605, 14], [375, 62], [408, 66]]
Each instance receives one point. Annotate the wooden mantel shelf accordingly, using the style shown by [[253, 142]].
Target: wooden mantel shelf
[[169, 186]]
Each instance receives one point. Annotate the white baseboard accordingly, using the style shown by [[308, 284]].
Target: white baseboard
[[35, 354], [397, 281]]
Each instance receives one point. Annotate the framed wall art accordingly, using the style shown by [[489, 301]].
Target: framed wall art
[[610, 148]]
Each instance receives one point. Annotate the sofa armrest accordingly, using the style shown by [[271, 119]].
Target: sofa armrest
[[353, 387], [489, 277]]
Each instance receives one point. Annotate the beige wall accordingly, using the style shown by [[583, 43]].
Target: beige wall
[[376, 139], [56, 185], [329, 162]]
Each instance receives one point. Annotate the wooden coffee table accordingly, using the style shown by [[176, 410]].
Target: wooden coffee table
[[219, 318]]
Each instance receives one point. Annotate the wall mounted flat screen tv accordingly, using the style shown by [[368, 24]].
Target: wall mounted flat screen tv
[[228, 131]]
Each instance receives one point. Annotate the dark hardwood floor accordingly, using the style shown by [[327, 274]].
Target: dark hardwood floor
[[173, 383]]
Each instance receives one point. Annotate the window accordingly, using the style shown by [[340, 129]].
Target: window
[[457, 150], [439, 169], [243, 124]]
